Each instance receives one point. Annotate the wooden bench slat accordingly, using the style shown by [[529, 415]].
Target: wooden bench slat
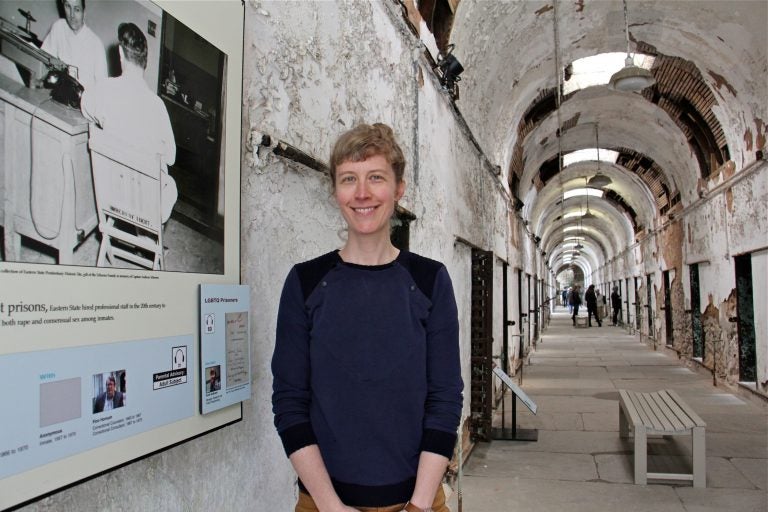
[[676, 417], [642, 414], [626, 402], [684, 406], [653, 422], [663, 419], [685, 421]]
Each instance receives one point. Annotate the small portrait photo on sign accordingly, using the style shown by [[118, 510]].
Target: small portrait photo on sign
[[213, 379], [109, 391]]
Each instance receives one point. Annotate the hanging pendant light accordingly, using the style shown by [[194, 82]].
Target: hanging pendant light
[[599, 180], [630, 78], [588, 214]]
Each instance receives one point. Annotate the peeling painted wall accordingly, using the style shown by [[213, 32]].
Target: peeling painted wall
[[316, 69], [312, 70]]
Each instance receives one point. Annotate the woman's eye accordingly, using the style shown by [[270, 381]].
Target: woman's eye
[[377, 177], [347, 179]]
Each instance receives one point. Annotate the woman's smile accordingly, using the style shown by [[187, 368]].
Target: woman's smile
[[366, 192]]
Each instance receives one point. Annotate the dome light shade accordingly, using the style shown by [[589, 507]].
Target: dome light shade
[[599, 180], [631, 78]]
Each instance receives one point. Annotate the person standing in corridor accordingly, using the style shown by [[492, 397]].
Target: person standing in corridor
[[616, 305], [379, 327], [574, 301], [591, 299]]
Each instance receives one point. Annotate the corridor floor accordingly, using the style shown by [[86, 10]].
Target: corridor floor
[[579, 463]]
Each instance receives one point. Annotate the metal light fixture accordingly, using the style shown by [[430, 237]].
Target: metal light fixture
[[588, 214], [450, 69], [630, 78], [599, 180]]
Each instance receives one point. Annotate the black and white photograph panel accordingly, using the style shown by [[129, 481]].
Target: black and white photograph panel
[[111, 137]]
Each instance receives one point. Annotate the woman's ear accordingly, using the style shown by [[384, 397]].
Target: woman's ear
[[399, 190]]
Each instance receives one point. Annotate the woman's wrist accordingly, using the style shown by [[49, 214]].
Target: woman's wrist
[[410, 507]]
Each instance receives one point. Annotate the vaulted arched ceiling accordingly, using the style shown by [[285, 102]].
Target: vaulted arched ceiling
[[708, 106]]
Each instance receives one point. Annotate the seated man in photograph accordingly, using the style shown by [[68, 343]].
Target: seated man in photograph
[[73, 42], [110, 399], [128, 111]]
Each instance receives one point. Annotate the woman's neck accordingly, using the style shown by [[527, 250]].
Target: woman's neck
[[361, 252]]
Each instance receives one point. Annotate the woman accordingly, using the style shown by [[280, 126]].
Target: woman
[[367, 378]]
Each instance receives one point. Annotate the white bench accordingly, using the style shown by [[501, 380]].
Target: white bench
[[661, 413]]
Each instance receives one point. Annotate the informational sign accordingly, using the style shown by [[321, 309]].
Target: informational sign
[[530, 404], [75, 399], [224, 346]]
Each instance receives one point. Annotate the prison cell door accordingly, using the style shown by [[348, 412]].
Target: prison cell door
[[481, 400], [649, 304], [638, 314], [537, 311], [626, 302], [521, 314], [745, 319], [668, 326], [696, 326]]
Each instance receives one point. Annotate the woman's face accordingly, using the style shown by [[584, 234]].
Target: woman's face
[[366, 193]]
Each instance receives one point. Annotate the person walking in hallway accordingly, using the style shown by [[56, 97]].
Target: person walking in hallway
[[574, 301], [616, 305], [591, 299]]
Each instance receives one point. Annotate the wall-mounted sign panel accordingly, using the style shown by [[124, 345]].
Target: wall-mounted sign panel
[[59, 411], [224, 346], [99, 348]]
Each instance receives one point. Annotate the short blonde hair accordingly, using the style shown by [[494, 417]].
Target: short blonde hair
[[364, 141]]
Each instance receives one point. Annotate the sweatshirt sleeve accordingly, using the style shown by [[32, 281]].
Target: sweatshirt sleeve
[[291, 393], [444, 384]]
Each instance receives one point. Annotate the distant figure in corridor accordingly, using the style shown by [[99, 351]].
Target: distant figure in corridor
[[591, 299], [616, 305], [574, 301]]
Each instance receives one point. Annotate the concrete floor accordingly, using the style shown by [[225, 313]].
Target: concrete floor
[[579, 463]]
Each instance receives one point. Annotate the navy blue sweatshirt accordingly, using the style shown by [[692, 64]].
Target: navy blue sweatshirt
[[366, 366]]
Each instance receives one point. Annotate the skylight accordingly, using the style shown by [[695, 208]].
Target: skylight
[[583, 192], [590, 155], [597, 69]]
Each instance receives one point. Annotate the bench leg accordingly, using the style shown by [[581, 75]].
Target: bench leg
[[641, 457], [699, 458], [623, 425]]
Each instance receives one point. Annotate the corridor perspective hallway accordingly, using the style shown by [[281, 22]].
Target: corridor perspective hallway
[[579, 462]]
